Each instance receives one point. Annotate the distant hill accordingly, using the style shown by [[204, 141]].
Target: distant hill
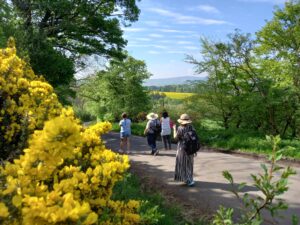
[[171, 80]]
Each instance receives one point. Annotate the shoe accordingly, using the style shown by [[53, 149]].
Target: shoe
[[191, 183], [120, 151], [156, 152]]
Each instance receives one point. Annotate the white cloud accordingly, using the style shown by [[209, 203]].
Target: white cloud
[[143, 39], [147, 46], [176, 52], [206, 8], [182, 19], [159, 46], [266, 1], [155, 35], [153, 52], [153, 23], [165, 41], [176, 31], [130, 29], [184, 42], [191, 47]]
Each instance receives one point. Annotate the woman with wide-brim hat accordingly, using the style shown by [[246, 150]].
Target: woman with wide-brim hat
[[151, 131], [184, 163]]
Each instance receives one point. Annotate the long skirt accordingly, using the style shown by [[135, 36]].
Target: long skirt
[[184, 166]]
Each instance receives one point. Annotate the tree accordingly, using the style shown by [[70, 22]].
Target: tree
[[55, 34], [247, 89], [280, 37], [279, 41], [117, 89]]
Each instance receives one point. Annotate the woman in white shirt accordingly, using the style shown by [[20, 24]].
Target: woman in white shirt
[[166, 130]]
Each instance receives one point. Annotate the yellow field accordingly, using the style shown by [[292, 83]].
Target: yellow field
[[177, 95]]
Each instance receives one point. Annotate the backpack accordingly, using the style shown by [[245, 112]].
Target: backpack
[[157, 127], [191, 143]]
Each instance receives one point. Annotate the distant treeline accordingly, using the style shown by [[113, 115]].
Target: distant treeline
[[185, 88]]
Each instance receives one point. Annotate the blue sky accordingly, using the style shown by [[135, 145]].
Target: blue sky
[[168, 30]]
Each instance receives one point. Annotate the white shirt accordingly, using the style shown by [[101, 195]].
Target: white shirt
[[165, 126]]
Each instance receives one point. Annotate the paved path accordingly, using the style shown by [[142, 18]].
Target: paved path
[[211, 189]]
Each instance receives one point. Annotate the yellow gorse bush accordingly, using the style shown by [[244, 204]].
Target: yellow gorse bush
[[26, 102], [65, 174]]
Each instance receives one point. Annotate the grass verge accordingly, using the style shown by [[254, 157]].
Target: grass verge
[[154, 210], [243, 140]]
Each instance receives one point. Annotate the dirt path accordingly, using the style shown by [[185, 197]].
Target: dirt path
[[211, 189]]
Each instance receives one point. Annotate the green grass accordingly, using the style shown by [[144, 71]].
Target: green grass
[[213, 135], [154, 210]]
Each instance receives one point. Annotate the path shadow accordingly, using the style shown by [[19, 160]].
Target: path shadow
[[206, 196]]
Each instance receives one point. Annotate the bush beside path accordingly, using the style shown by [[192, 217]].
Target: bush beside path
[[211, 189]]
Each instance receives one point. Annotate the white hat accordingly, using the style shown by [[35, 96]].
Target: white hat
[[152, 116], [184, 119]]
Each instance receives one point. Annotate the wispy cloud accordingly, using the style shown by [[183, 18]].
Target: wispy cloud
[[131, 29], [165, 41], [156, 35], [143, 39], [184, 42], [147, 46], [191, 47], [176, 52], [153, 23], [176, 31], [182, 19], [266, 1], [154, 52], [206, 8]]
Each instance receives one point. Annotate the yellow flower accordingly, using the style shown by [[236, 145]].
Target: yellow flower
[[92, 218], [3, 210], [17, 200]]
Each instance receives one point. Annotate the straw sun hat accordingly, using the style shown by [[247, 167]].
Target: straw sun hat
[[152, 116], [184, 119]]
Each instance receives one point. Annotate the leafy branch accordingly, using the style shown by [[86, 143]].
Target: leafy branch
[[268, 184]]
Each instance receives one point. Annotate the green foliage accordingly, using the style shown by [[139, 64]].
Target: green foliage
[[54, 35], [246, 140], [117, 89], [271, 188], [253, 83]]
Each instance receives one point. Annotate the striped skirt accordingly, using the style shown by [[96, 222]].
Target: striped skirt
[[184, 165]]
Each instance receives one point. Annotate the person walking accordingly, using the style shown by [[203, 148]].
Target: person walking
[[166, 130], [151, 131], [184, 163], [125, 133]]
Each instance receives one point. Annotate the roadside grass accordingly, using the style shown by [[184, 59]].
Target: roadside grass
[[154, 210], [213, 135]]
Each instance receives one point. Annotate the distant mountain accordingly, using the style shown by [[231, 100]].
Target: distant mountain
[[171, 80]]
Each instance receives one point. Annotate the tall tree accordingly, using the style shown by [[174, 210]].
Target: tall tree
[[55, 34], [280, 37], [279, 41]]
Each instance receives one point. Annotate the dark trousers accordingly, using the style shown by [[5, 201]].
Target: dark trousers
[[167, 141], [151, 138]]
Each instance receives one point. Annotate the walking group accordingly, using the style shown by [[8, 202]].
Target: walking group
[[185, 136]]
